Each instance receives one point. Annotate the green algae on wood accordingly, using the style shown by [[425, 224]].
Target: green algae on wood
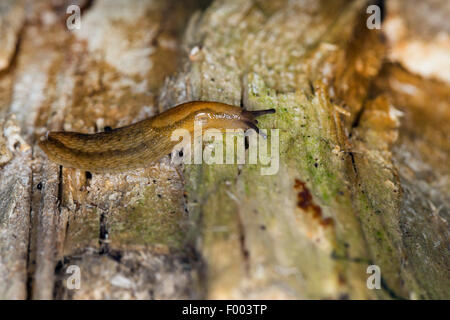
[[250, 225]]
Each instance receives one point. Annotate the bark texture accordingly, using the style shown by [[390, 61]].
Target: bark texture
[[364, 151]]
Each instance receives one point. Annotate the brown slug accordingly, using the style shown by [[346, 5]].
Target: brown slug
[[144, 142]]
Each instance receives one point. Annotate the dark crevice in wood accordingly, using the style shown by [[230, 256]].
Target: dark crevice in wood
[[243, 94], [311, 87], [29, 284], [60, 188], [115, 255], [88, 176], [103, 234], [352, 157], [164, 21], [243, 246], [355, 124], [88, 5], [389, 290], [363, 261], [357, 120]]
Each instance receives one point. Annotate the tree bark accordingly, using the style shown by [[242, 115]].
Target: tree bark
[[364, 152]]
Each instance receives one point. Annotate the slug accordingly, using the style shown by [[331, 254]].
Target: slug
[[144, 142]]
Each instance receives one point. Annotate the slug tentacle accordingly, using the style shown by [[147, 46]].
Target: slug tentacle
[[257, 113], [144, 142]]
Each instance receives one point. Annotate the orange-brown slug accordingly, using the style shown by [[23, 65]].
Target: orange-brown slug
[[144, 142]]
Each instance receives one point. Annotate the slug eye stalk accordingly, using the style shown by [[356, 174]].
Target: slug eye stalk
[[258, 113]]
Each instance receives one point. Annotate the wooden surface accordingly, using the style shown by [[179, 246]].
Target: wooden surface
[[364, 152]]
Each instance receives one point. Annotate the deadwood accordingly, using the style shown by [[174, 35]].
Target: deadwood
[[363, 173]]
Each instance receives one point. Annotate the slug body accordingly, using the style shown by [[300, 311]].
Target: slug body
[[144, 142]]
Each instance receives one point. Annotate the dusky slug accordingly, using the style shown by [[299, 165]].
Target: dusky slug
[[144, 142]]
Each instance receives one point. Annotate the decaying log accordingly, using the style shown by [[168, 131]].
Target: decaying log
[[338, 202], [106, 74], [363, 172]]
